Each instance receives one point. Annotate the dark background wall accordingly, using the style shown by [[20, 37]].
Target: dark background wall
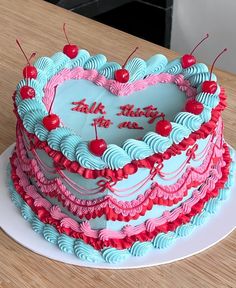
[[147, 19]]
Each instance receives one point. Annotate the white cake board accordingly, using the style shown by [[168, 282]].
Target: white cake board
[[217, 228]]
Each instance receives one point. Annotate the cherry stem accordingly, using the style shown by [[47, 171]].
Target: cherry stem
[[95, 128], [50, 108], [207, 35], [123, 66], [64, 29], [18, 43], [217, 57], [32, 56], [163, 116]]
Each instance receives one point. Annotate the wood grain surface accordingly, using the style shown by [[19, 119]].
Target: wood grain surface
[[39, 27]]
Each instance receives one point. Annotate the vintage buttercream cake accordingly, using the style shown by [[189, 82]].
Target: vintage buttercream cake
[[112, 161]]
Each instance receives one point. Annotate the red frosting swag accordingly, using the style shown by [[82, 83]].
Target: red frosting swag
[[127, 242]]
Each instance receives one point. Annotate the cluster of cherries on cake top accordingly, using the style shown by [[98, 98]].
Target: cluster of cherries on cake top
[[98, 146], [52, 121], [163, 127], [208, 86]]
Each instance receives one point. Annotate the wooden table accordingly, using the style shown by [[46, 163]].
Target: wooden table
[[39, 26]]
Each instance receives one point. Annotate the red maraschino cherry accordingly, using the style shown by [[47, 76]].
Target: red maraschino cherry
[[210, 86], [97, 146], [188, 60], [194, 107], [27, 92], [163, 127], [122, 75], [29, 71], [51, 121], [71, 50]]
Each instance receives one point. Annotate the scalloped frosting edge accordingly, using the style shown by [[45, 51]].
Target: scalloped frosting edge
[[132, 167], [110, 255], [58, 63], [55, 188], [162, 240]]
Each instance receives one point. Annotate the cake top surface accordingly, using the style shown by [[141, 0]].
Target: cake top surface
[[83, 89], [80, 102]]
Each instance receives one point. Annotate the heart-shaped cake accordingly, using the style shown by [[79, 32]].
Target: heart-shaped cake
[[109, 165]]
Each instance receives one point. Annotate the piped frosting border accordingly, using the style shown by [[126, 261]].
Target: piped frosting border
[[130, 168], [112, 255], [113, 209], [129, 234], [32, 111]]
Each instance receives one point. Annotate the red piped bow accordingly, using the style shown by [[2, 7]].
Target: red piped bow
[[156, 170], [106, 185], [58, 166], [191, 152]]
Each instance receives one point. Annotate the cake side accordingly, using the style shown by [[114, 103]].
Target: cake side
[[141, 227], [208, 205], [167, 184]]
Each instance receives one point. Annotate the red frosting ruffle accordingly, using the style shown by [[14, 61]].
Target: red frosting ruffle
[[116, 175], [127, 242]]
